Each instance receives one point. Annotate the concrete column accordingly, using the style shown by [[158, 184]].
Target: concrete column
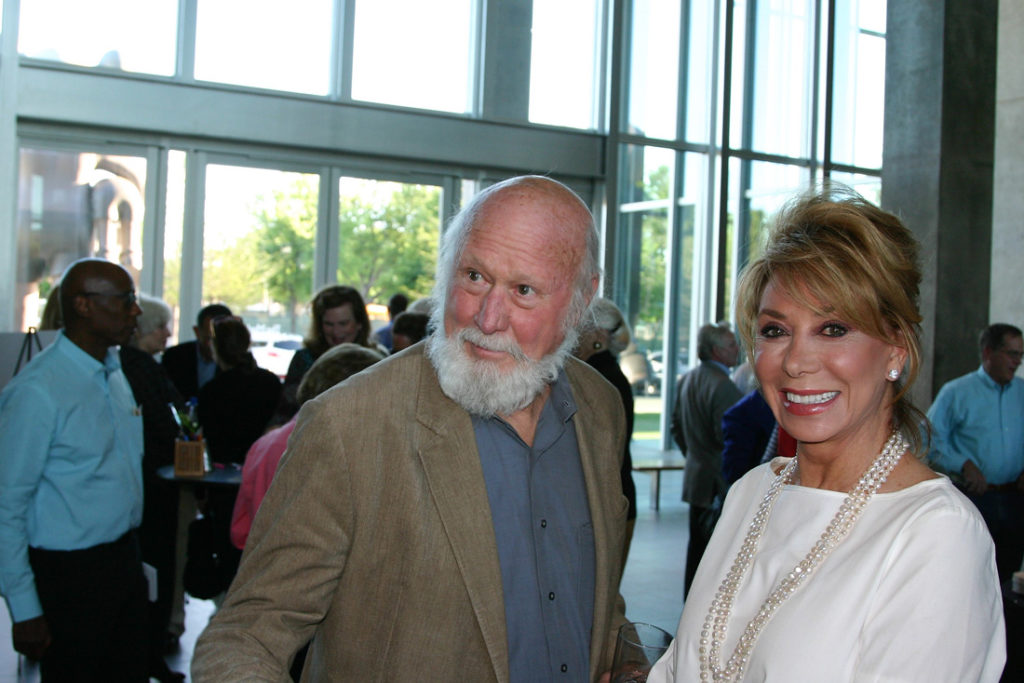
[[1007, 301], [938, 168]]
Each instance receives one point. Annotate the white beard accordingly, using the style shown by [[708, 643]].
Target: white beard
[[483, 387]]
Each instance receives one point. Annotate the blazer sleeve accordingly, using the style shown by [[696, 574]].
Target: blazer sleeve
[[293, 559]]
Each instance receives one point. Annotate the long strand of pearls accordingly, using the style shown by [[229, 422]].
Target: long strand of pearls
[[716, 623]]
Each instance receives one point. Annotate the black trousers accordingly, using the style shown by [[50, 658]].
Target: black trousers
[[1003, 512], [702, 525], [95, 601]]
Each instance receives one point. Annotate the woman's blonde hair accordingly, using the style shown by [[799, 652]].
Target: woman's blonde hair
[[836, 253]]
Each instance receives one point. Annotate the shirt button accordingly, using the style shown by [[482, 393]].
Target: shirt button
[[551, 596], [564, 668], [543, 524]]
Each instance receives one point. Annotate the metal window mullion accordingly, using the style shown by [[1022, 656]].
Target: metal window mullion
[[342, 49], [670, 333], [326, 242], [152, 279], [190, 294], [709, 302], [9, 159], [185, 64], [830, 64]]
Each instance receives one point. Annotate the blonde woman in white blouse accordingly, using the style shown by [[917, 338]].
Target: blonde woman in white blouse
[[852, 561]]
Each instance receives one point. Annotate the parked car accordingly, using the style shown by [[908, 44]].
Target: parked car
[[273, 350]]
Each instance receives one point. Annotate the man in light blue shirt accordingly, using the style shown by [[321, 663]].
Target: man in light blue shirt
[[978, 432], [71, 490]]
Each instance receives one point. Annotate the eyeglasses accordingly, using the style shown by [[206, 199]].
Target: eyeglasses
[[1015, 355], [128, 298]]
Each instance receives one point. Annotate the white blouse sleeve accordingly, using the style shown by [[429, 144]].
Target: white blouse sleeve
[[937, 614]]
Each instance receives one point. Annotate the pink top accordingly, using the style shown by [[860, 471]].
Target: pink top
[[257, 473]]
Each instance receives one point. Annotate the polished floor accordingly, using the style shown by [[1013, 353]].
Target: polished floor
[[652, 584]]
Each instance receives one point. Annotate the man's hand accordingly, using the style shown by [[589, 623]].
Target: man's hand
[[31, 637], [974, 480]]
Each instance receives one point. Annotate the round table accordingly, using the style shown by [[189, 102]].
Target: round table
[[218, 476]]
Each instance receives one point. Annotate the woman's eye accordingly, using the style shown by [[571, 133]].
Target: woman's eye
[[771, 331], [835, 330]]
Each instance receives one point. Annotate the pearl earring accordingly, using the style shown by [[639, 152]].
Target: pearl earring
[[894, 375]]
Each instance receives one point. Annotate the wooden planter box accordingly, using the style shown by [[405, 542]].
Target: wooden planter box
[[189, 460]]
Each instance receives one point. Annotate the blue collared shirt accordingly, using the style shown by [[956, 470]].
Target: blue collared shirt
[[975, 418], [545, 539], [70, 462]]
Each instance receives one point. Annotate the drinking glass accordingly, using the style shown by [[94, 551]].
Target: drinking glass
[[637, 648]]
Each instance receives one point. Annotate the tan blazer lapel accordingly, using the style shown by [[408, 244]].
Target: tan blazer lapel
[[591, 438], [452, 467]]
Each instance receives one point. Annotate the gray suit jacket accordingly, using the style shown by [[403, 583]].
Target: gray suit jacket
[[376, 540], [704, 394]]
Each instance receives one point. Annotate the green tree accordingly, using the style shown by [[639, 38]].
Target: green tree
[[284, 244], [389, 245], [228, 276]]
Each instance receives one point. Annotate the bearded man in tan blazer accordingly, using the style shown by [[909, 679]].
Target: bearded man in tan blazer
[[455, 513]]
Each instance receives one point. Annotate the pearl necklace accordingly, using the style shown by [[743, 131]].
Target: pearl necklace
[[712, 635]]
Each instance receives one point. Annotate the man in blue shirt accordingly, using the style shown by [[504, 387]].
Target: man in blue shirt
[[71, 491], [978, 432]]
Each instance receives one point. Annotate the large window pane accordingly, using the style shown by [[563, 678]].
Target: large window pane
[[859, 90], [758, 190], [259, 230], [646, 177], [265, 44], [124, 34], [771, 90], [692, 200], [867, 186], [654, 69], [388, 238], [72, 205], [413, 53], [700, 106], [564, 62]]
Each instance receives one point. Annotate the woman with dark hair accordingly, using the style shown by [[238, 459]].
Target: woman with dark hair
[[234, 409], [235, 406], [338, 317]]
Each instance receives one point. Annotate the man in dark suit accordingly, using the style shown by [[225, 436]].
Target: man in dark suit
[[704, 394], [190, 365]]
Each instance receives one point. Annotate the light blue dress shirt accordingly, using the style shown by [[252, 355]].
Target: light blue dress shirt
[[70, 462], [542, 525], [974, 418]]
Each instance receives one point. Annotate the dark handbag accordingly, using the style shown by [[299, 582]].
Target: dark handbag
[[211, 560]]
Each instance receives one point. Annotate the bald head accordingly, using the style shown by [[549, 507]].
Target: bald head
[[98, 303], [569, 228]]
